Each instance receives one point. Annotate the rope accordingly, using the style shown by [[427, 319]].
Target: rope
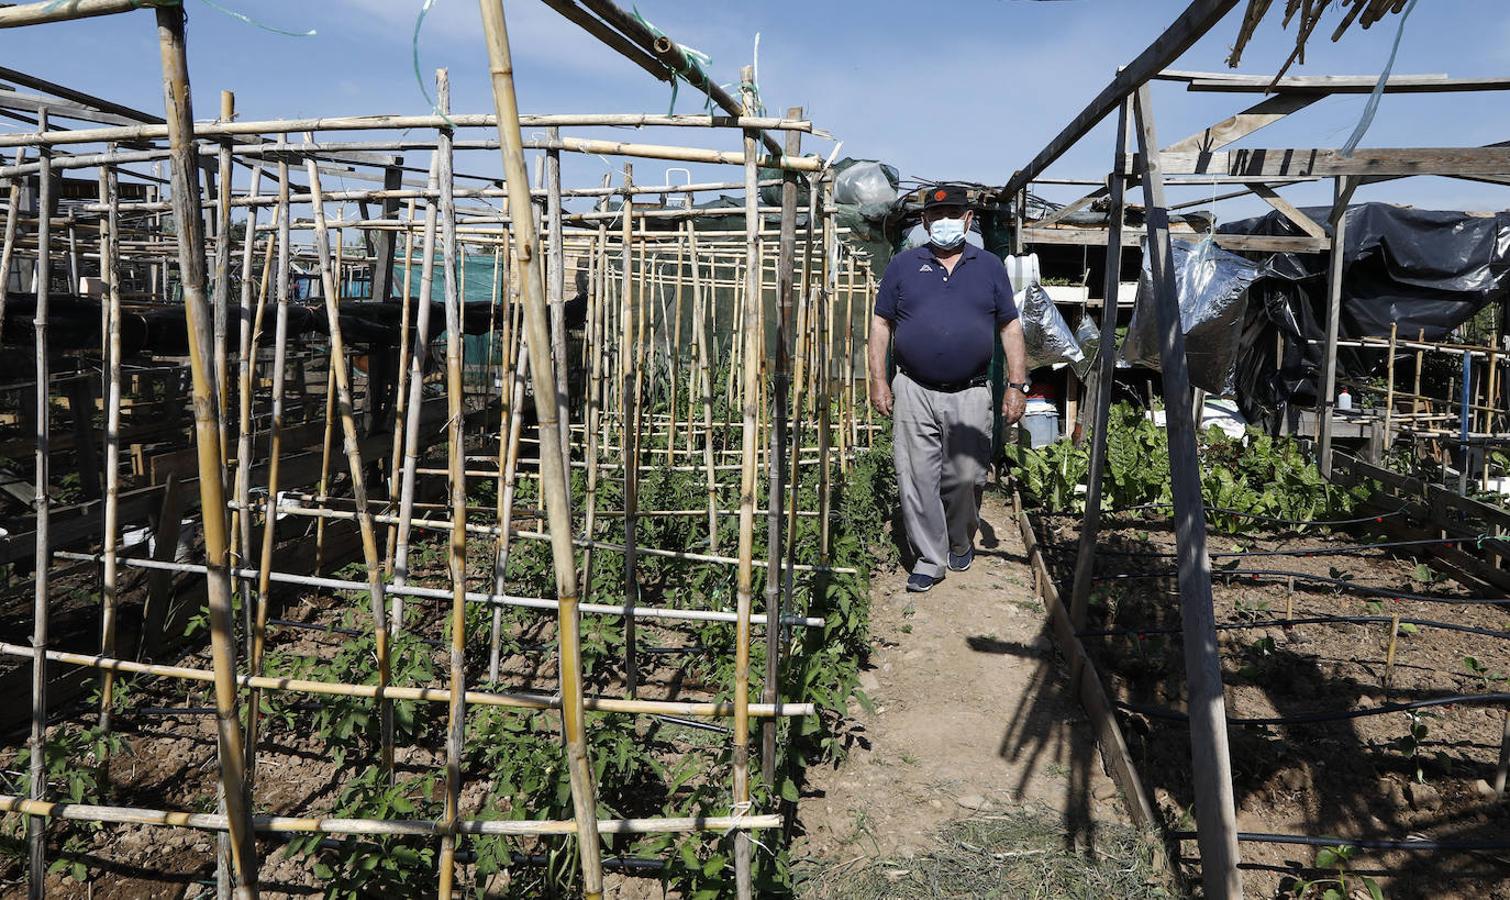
[[1360, 520], [1410, 843], [419, 23], [1342, 550], [1312, 620], [1371, 108]]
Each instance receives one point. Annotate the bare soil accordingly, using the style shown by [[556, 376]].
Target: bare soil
[[971, 718], [1355, 778]]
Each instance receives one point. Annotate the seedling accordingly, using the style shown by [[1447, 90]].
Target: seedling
[[1479, 670], [1340, 887]]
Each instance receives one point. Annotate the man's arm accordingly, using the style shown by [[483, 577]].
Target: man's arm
[[1014, 403], [880, 341]]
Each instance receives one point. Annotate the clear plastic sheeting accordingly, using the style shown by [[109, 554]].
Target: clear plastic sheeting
[[1048, 336], [1212, 286]]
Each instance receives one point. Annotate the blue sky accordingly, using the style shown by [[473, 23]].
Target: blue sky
[[946, 89]]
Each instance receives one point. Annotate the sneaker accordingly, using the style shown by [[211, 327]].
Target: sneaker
[[961, 562], [919, 583]]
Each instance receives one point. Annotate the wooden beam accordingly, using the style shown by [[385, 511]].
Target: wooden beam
[[1197, 19], [1332, 84], [1343, 194], [46, 11], [1072, 207], [1211, 763], [1234, 128], [1313, 162], [1257, 243], [1289, 211], [1106, 370]]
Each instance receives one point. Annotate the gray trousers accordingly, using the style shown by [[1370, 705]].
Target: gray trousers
[[941, 442]]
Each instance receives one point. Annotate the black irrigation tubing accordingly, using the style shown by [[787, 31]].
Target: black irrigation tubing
[[1174, 715], [1338, 550], [1257, 517], [1312, 620], [1257, 574], [1258, 837]]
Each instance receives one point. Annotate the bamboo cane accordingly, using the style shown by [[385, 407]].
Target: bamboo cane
[[191, 261], [555, 272], [8, 243], [110, 269], [416, 402], [1389, 389], [36, 828], [342, 380], [701, 301], [275, 456], [400, 396], [597, 338], [776, 458], [752, 340], [823, 396], [629, 439], [221, 296], [553, 474], [674, 349], [508, 449], [247, 365], [457, 556]]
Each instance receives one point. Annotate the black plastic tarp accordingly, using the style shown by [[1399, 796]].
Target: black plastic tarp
[[1425, 270]]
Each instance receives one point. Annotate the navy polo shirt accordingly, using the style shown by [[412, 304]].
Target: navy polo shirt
[[945, 323]]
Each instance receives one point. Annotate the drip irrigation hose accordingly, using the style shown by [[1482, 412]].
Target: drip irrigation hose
[[1341, 583], [1312, 620], [1174, 715], [1257, 517], [1257, 837], [1340, 550]]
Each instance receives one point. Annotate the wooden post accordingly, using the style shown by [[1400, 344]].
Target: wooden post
[[1386, 439], [1211, 766], [8, 246], [553, 474], [1342, 193], [36, 826], [191, 263], [1101, 389], [776, 459]]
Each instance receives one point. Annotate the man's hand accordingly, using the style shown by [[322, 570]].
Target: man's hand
[[880, 396], [1013, 404]]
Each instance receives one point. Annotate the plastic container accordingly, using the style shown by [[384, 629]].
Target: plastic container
[[1041, 421], [1344, 401]]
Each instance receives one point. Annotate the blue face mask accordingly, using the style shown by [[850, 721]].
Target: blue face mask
[[947, 234]]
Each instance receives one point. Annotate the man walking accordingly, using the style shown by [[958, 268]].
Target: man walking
[[945, 305]]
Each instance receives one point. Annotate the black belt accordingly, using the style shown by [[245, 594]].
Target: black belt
[[949, 387]]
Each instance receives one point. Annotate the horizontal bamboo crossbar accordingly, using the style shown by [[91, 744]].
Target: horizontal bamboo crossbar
[[122, 815], [512, 700]]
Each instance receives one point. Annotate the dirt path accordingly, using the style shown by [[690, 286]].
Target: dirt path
[[971, 717]]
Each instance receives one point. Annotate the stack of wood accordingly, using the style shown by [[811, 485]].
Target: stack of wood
[[1309, 14]]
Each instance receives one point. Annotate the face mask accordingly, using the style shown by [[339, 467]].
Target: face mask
[[947, 233]]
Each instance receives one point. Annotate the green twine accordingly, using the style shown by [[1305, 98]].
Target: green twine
[[419, 23], [692, 61]]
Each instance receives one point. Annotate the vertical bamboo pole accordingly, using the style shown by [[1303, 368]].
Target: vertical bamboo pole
[[675, 352], [401, 393], [191, 262], [702, 300], [221, 297], [553, 475], [246, 353], [823, 391], [415, 407], [555, 270], [36, 826], [8, 242], [753, 341], [804, 348], [1389, 389], [776, 458], [456, 470], [508, 461], [110, 270], [274, 459], [365, 525], [596, 341], [629, 435]]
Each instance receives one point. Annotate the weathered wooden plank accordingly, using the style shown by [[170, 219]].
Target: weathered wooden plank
[[1235, 128], [1289, 211], [1096, 237], [1327, 163]]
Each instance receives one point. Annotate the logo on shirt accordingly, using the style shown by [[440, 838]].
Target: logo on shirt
[[925, 268]]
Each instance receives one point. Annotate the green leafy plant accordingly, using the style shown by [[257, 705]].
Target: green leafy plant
[[1340, 885]]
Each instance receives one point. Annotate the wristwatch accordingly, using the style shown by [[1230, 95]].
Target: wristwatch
[[1017, 386]]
